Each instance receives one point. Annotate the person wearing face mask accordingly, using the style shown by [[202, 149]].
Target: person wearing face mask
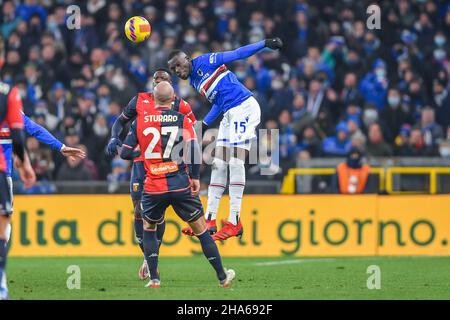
[[170, 17], [444, 149], [440, 41], [370, 115], [190, 40], [392, 117], [374, 85], [352, 176], [431, 131]]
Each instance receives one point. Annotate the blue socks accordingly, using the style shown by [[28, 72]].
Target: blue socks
[[211, 252], [3, 251], [151, 242], [139, 230], [160, 228], [151, 252]]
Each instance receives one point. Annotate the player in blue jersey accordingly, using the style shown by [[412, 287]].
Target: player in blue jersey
[[209, 75], [41, 134]]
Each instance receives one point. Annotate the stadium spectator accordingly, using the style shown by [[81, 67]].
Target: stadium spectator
[[444, 149], [59, 101], [359, 141], [310, 142], [74, 170], [40, 158], [441, 99], [88, 163], [288, 140], [350, 93], [339, 145], [119, 174], [333, 68], [431, 131], [376, 146], [416, 147], [374, 85], [393, 116]]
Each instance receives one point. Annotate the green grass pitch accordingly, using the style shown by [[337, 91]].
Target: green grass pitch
[[257, 278]]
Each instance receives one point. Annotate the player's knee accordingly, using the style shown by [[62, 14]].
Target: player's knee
[[219, 164], [237, 170], [237, 164], [198, 226], [149, 226]]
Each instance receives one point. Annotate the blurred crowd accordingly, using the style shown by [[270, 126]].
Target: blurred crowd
[[335, 85]]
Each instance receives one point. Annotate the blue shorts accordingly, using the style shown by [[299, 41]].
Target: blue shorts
[[137, 180], [188, 207]]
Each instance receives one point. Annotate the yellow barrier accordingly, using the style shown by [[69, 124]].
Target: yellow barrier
[[431, 171], [386, 177], [288, 185], [274, 225]]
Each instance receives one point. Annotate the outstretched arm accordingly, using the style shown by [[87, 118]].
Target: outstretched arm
[[40, 133], [245, 51]]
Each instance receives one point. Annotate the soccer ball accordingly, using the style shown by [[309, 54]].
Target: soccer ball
[[137, 29]]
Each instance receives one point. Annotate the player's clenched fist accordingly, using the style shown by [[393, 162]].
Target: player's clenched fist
[[274, 43], [195, 187], [113, 144]]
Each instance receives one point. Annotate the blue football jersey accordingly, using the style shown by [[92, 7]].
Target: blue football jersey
[[212, 79]]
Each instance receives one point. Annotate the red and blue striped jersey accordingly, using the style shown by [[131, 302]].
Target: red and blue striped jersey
[[162, 135], [10, 118], [144, 103]]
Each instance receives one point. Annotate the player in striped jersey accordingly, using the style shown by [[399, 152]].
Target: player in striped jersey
[[172, 165], [42, 135], [143, 103], [11, 116], [209, 75]]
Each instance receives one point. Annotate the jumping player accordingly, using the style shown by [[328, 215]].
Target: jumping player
[[241, 115], [11, 115], [143, 102], [169, 180]]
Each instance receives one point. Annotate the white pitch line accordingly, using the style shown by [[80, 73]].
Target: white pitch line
[[297, 261]]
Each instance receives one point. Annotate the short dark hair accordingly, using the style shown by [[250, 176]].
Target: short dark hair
[[174, 53], [163, 70]]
